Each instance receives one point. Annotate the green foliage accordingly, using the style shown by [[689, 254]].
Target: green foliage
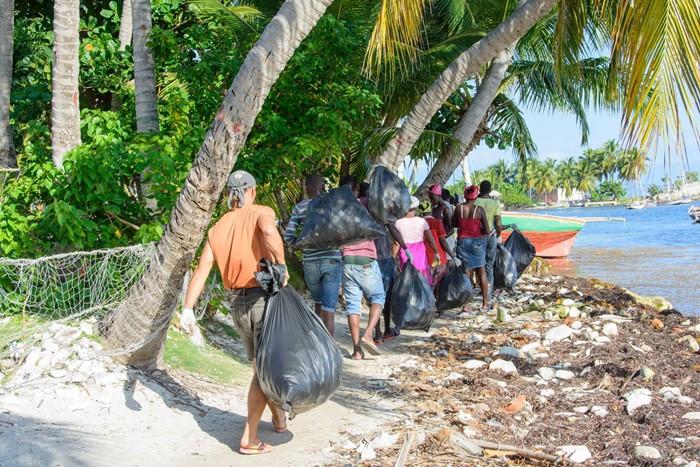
[[608, 190], [654, 190]]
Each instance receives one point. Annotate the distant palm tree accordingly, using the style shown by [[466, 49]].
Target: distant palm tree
[[543, 178], [586, 174], [566, 175], [609, 159]]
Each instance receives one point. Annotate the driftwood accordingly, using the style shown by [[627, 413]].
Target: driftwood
[[405, 449], [539, 455]]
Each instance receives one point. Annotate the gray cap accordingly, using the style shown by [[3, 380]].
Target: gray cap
[[238, 182]]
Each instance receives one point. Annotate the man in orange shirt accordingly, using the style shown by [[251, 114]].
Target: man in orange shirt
[[236, 243]]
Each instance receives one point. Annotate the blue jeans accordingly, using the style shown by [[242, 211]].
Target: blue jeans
[[387, 266], [323, 278], [491, 249], [359, 280], [472, 252]]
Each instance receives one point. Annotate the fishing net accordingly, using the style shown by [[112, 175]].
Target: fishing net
[[35, 293]]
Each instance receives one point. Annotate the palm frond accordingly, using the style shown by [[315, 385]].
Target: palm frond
[[239, 18], [431, 144], [656, 46], [397, 35], [506, 118]]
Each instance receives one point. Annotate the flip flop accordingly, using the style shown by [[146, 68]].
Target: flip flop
[[261, 448], [393, 334], [369, 346]]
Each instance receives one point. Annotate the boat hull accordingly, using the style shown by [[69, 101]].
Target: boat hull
[[549, 244], [552, 236]]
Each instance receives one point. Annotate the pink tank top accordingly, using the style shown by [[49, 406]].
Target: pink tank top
[[470, 226]]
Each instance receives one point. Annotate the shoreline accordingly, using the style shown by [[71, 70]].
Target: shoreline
[[522, 383]]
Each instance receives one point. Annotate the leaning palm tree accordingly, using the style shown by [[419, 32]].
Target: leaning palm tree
[[7, 148], [138, 325], [144, 72], [65, 107], [655, 45]]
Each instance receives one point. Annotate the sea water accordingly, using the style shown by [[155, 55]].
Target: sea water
[[656, 251]]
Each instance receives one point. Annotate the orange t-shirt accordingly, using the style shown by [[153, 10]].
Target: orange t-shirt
[[238, 245]]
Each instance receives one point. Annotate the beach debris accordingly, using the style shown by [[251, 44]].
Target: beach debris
[[509, 353], [610, 329], [504, 366], [599, 411], [546, 373], [657, 324], [516, 405], [577, 453], [647, 373], [690, 341], [564, 374], [558, 333], [366, 452], [636, 399], [691, 416], [383, 440], [646, 452], [674, 395], [473, 364]]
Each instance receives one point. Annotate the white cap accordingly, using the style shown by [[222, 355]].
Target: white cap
[[415, 202]]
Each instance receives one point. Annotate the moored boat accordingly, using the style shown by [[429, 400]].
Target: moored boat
[[694, 213], [553, 236]]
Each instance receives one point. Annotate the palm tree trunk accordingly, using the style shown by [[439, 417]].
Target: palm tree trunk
[[7, 148], [466, 175], [144, 74], [470, 122], [497, 40], [125, 25], [138, 325], [65, 106]]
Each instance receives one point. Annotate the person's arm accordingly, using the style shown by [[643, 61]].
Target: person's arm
[[497, 225], [272, 238], [194, 289], [398, 238], [445, 246], [430, 240], [484, 220], [446, 218], [295, 221]]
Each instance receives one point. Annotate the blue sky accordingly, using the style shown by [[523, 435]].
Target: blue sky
[[558, 136]]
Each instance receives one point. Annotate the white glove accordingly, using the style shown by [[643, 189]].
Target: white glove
[[187, 320], [456, 261]]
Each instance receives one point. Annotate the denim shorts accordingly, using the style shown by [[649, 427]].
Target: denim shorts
[[359, 280], [472, 252], [323, 277]]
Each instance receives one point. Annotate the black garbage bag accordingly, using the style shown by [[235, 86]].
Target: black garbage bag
[[335, 219], [520, 248], [298, 363], [505, 270], [388, 197], [412, 300], [454, 289]]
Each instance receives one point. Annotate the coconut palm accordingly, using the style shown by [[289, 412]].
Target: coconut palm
[[544, 178], [587, 174], [144, 73], [125, 25], [566, 175], [138, 325], [660, 60], [7, 148], [65, 107]]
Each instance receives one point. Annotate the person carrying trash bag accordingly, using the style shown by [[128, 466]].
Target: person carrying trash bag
[[472, 231], [298, 363], [361, 277], [454, 289], [415, 231], [236, 243], [323, 267]]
